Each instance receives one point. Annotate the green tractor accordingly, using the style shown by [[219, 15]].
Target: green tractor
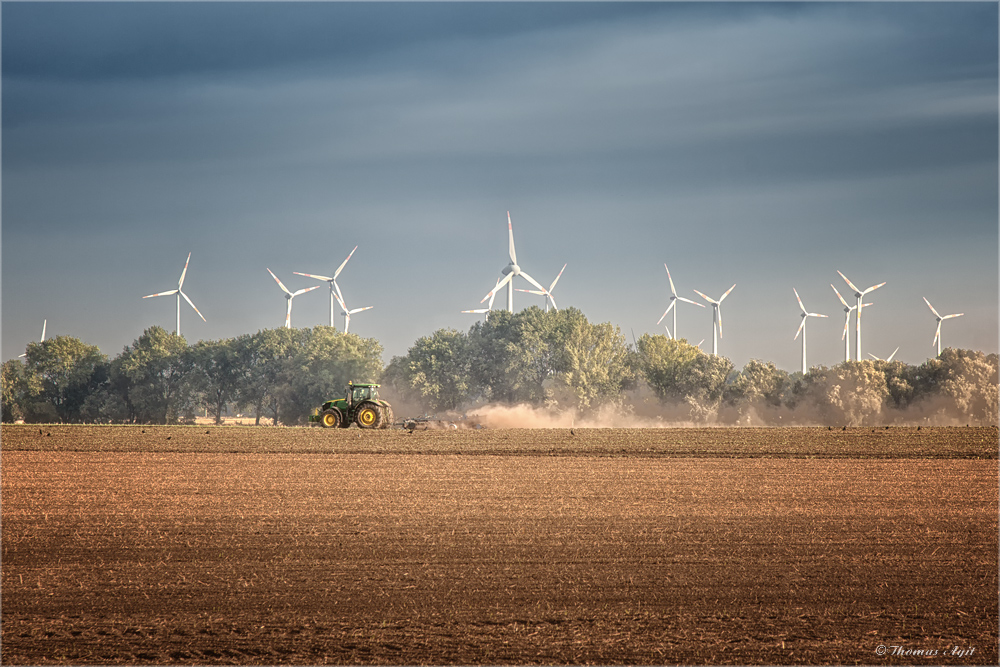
[[362, 406]]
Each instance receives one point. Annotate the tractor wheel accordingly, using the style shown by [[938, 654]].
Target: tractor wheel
[[387, 417], [368, 415], [330, 418]]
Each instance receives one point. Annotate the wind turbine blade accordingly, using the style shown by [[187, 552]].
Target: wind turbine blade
[[530, 291], [553, 285], [694, 303], [492, 293], [672, 290], [149, 296], [531, 280], [893, 354], [801, 327], [283, 288], [477, 310], [669, 335], [847, 323], [343, 264], [553, 300], [930, 306], [191, 303], [719, 310], [306, 289], [839, 297], [849, 283], [340, 300], [710, 300], [937, 334], [288, 314], [340, 295], [874, 357], [358, 310], [496, 289], [814, 315], [347, 322], [510, 233], [310, 275], [948, 317], [727, 292], [666, 311], [699, 343], [872, 288], [180, 283], [44, 322], [799, 300]]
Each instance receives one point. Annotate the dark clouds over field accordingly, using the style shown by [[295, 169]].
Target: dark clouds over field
[[763, 145]]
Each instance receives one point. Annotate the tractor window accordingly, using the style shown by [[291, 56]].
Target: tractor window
[[360, 394]]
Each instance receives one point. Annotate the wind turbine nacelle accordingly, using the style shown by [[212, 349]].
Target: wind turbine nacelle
[[511, 268]]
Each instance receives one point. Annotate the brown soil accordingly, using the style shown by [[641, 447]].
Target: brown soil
[[305, 546]]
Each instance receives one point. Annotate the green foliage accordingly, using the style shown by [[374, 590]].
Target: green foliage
[[760, 387], [152, 375], [13, 389], [681, 373], [435, 372], [216, 373], [59, 375], [320, 368], [853, 393]]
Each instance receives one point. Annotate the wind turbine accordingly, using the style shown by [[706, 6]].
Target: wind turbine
[[510, 271], [180, 294], [847, 320], [335, 292], [347, 313], [802, 329], [673, 303], [716, 318], [859, 295], [937, 334], [288, 298], [547, 293], [888, 359], [41, 340], [488, 308]]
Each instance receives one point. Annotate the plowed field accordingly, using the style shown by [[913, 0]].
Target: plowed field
[[231, 545]]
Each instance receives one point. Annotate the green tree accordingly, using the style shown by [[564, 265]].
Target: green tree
[[435, 371], [13, 389], [321, 368], [153, 372], [264, 357], [591, 361], [852, 393], [759, 387], [216, 373], [60, 373]]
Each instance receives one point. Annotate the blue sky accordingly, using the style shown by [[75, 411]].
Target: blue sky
[[767, 145]]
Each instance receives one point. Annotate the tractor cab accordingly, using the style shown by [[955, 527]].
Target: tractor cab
[[356, 393]]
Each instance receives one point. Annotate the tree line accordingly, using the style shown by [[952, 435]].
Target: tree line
[[556, 360]]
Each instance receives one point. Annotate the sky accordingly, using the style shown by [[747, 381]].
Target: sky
[[766, 145]]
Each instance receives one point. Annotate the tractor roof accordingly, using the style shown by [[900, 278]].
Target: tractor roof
[[363, 384]]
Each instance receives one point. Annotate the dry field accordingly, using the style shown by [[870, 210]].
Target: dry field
[[241, 545]]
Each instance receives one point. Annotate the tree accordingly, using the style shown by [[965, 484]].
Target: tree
[[853, 393], [321, 367], [216, 373], [435, 371], [153, 372], [759, 387], [591, 363], [962, 384], [59, 374], [264, 356], [13, 389]]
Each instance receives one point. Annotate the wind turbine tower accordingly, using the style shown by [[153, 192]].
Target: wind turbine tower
[[347, 312], [859, 295], [180, 294], [716, 318], [673, 304], [335, 293], [510, 271], [937, 334], [802, 329], [288, 298]]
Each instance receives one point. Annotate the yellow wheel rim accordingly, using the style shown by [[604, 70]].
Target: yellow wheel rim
[[367, 417], [329, 420]]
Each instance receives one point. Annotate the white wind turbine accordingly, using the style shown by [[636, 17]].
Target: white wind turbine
[[937, 334], [673, 304], [335, 292], [510, 271], [347, 313], [802, 329], [547, 293], [488, 308], [847, 320], [180, 294], [716, 317], [859, 295], [889, 358], [41, 340], [288, 298]]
